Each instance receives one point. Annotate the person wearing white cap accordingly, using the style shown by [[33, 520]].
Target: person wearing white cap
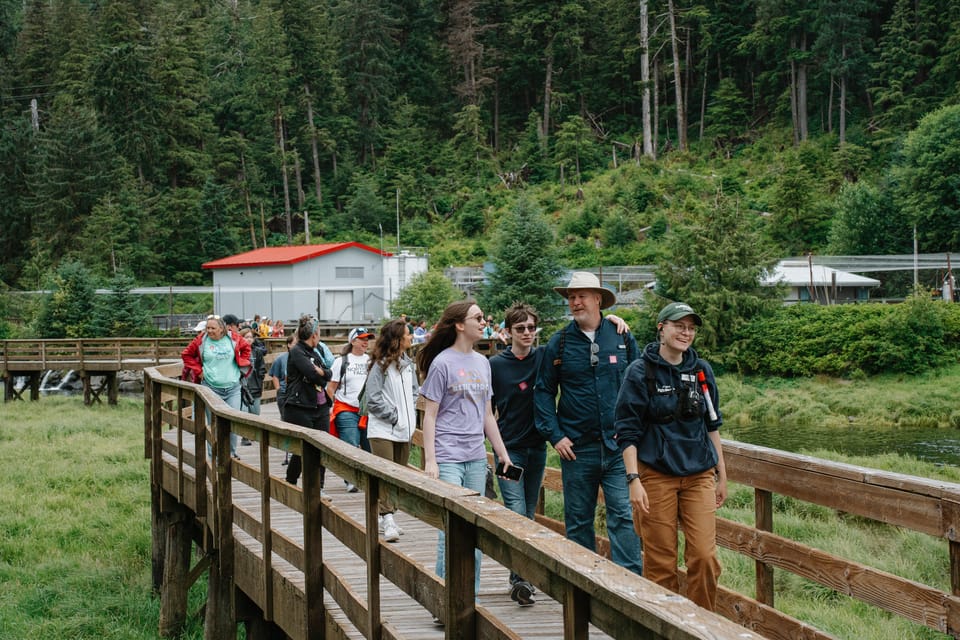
[[349, 376], [585, 361], [668, 428]]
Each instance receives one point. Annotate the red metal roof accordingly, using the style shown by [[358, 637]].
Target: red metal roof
[[271, 256]]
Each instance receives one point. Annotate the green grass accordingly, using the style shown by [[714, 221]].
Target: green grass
[[75, 528], [75, 523]]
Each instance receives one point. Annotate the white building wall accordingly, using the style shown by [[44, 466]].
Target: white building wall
[[398, 270], [349, 286]]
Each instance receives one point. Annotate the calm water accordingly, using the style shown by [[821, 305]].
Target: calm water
[[932, 445]]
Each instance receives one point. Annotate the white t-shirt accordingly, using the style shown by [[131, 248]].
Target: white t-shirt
[[354, 376]]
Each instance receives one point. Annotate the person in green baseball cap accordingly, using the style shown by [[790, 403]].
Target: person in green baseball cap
[[667, 425]]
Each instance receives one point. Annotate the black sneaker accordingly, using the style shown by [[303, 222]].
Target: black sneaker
[[522, 593], [245, 442]]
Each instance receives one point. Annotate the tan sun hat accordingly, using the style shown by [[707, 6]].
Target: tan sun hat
[[587, 280]]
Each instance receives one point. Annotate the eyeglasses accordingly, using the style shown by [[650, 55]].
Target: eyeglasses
[[594, 350], [524, 328], [684, 328], [478, 317]]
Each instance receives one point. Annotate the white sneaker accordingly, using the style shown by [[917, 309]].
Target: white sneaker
[[351, 488], [390, 531]]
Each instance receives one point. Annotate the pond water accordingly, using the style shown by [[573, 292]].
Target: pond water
[[940, 446]]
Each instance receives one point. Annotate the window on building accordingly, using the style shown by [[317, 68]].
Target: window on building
[[349, 273]]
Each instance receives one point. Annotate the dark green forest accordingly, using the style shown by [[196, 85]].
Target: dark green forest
[[144, 138]]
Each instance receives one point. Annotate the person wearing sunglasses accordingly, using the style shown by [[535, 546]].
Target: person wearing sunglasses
[[514, 372], [668, 428], [585, 362], [457, 412]]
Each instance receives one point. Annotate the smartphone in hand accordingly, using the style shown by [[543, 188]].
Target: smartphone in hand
[[514, 473]]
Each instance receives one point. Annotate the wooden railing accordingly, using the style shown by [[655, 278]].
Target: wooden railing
[[603, 594], [96, 354], [188, 493]]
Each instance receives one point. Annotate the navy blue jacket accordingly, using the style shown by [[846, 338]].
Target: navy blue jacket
[[513, 382], [668, 442], [588, 393]]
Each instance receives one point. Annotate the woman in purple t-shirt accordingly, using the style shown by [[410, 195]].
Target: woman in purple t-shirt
[[457, 410]]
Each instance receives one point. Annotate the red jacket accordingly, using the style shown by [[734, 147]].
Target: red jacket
[[193, 365]]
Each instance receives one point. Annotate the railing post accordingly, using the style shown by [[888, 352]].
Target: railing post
[[372, 510], [221, 620], [459, 587], [267, 521], [313, 543], [763, 512], [576, 614]]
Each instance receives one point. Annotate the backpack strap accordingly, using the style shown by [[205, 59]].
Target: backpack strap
[[650, 376], [343, 367]]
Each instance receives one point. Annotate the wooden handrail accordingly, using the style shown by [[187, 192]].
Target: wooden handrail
[[592, 589], [927, 506]]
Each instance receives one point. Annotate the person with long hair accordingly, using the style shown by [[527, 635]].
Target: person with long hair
[[457, 411], [306, 401], [668, 424], [349, 377], [391, 395]]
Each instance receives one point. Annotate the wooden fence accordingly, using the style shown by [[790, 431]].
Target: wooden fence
[[592, 591]]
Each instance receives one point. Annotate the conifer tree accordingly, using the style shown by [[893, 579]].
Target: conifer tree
[[526, 265]]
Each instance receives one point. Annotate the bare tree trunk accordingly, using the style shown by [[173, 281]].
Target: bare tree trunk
[[656, 105], [649, 148], [547, 98], [496, 115], [246, 198], [802, 93], [703, 95], [677, 81], [314, 148], [794, 114], [843, 110], [286, 180], [830, 107]]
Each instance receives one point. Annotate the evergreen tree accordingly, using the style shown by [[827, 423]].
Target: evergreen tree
[[426, 296], [69, 309], [119, 313], [717, 263], [525, 261], [573, 143], [868, 223], [925, 180]]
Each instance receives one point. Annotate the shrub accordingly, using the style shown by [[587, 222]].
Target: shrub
[[850, 340]]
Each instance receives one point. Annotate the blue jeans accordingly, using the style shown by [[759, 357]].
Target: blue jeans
[[472, 475], [253, 408], [522, 497], [230, 395], [347, 427], [594, 467]]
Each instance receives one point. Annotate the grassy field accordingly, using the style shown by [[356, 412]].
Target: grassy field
[[75, 530], [75, 523]]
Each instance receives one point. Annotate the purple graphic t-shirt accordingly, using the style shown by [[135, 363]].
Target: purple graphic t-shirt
[[460, 383]]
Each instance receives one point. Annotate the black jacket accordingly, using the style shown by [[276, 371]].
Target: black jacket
[[258, 367], [661, 418], [303, 381]]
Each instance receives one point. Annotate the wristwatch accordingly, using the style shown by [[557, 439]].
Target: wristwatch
[[631, 477]]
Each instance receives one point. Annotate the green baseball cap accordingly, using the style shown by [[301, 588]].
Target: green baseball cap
[[676, 310]]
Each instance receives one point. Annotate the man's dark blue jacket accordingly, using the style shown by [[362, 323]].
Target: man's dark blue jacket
[[588, 393]]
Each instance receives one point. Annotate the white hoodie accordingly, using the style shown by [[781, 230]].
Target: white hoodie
[[391, 401]]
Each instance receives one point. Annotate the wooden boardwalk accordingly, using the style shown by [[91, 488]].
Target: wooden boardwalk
[[322, 576], [418, 542]]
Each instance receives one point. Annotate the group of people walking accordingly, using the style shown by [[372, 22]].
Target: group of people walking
[[640, 424]]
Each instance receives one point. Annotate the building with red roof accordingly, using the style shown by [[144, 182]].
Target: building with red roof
[[346, 282]]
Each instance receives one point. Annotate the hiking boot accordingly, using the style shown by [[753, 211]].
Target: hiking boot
[[522, 593], [390, 531]]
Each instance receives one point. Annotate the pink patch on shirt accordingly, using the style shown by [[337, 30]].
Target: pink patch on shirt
[[461, 373], [613, 359], [523, 385]]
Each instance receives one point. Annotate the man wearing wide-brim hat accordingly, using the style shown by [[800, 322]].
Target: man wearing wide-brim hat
[[585, 362]]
